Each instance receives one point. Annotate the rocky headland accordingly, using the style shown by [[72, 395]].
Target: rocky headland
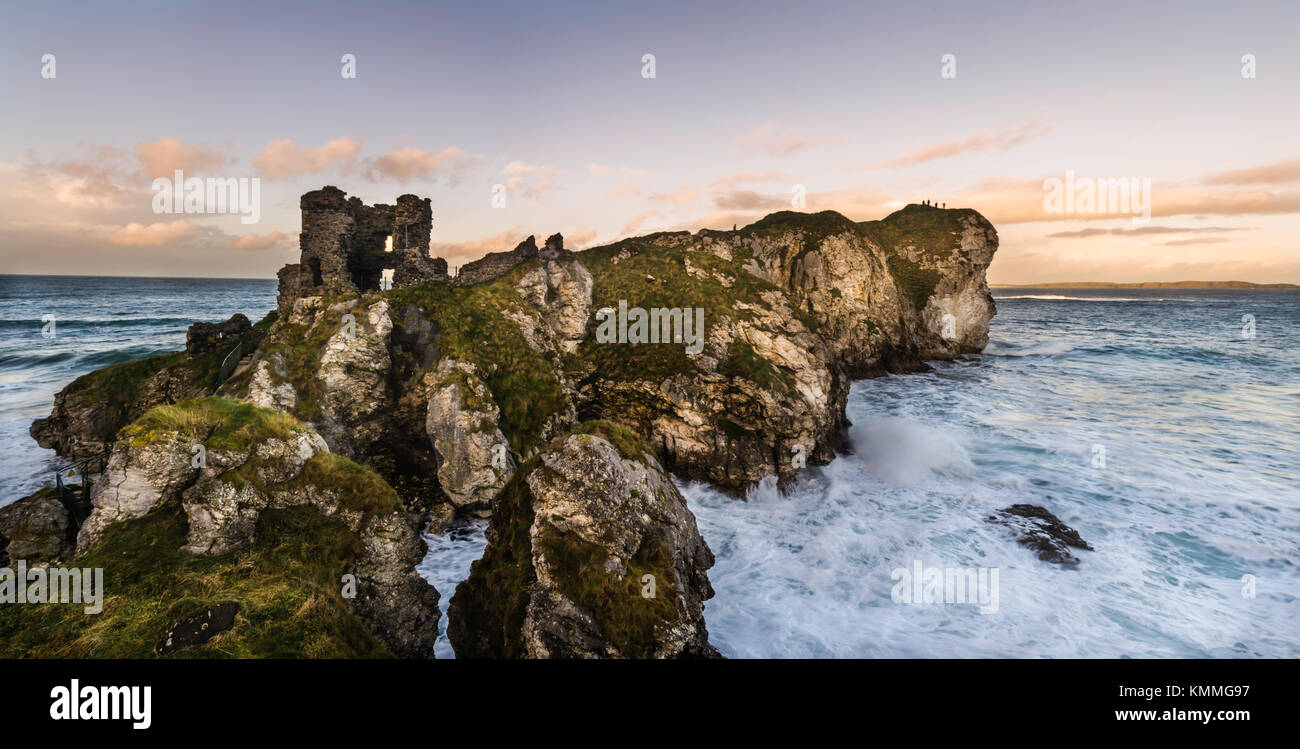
[[556, 392]]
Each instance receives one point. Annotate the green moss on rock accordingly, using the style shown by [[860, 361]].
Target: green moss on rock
[[287, 586]]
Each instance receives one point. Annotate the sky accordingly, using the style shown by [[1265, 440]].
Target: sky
[[549, 108]]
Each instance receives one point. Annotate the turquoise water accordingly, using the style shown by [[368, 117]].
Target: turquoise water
[[1200, 429]]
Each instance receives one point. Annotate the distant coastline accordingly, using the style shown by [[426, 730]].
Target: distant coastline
[[1147, 285]]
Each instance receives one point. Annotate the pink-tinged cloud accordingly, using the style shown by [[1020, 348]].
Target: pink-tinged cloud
[[157, 234], [637, 221], [748, 200], [1196, 240], [1000, 140], [270, 241], [600, 170], [162, 158], [768, 139], [534, 178], [1014, 201], [1270, 174], [683, 195], [458, 253], [1141, 231], [626, 187], [285, 159], [579, 239], [731, 180], [406, 164]]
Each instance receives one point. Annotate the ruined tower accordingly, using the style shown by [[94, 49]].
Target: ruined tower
[[346, 246]]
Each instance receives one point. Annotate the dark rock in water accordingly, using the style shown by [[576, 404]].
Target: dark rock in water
[[1042, 532], [199, 628], [206, 337], [36, 529]]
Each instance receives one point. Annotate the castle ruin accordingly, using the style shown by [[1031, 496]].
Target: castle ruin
[[346, 246]]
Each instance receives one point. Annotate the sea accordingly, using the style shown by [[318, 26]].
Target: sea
[[1163, 425]]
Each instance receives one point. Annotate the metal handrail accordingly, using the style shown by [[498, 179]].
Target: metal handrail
[[228, 364]]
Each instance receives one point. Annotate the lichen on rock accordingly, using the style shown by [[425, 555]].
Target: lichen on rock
[[592, 553]]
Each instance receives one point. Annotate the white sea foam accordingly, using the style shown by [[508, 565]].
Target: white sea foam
[[1196, 491], [1047, 348]]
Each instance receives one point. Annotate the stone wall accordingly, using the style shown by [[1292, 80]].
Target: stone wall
[[495, 264], [344, 246]]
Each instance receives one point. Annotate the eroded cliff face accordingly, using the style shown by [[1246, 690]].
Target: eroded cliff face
[[592, 553], [254, 461], [885, 294]]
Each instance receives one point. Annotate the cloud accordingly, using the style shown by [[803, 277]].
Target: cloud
[[458, 253], [1269, 174], [1013, 201], [1000, 140], [1140, 231], [731, 180], [600, 170], [102, 179], [748, 200], [768, 139], [160, 233], [579, 239], [270, 241], [636, 221], [162, 158], [535, 178], [406, 164], [683, 195], [184, 233], [1198, 240], [626, 187], [285, 159]]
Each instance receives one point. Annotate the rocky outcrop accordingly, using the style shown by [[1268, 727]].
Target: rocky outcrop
[[354, 381], [253, 461], [885, 294], [474, 459], [35, 529], [89, 411], [1042, 532], [560, 290], [592, 553], [207, 337], [269, 386]]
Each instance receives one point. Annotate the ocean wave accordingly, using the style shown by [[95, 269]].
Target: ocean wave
[[904, 452], [106, 323], [1047, 348], [23, 361]]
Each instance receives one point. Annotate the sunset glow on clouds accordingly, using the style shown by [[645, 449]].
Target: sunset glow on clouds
[[846, 101]]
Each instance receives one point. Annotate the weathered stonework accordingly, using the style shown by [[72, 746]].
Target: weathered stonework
[[495, 264], [345, 248]]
